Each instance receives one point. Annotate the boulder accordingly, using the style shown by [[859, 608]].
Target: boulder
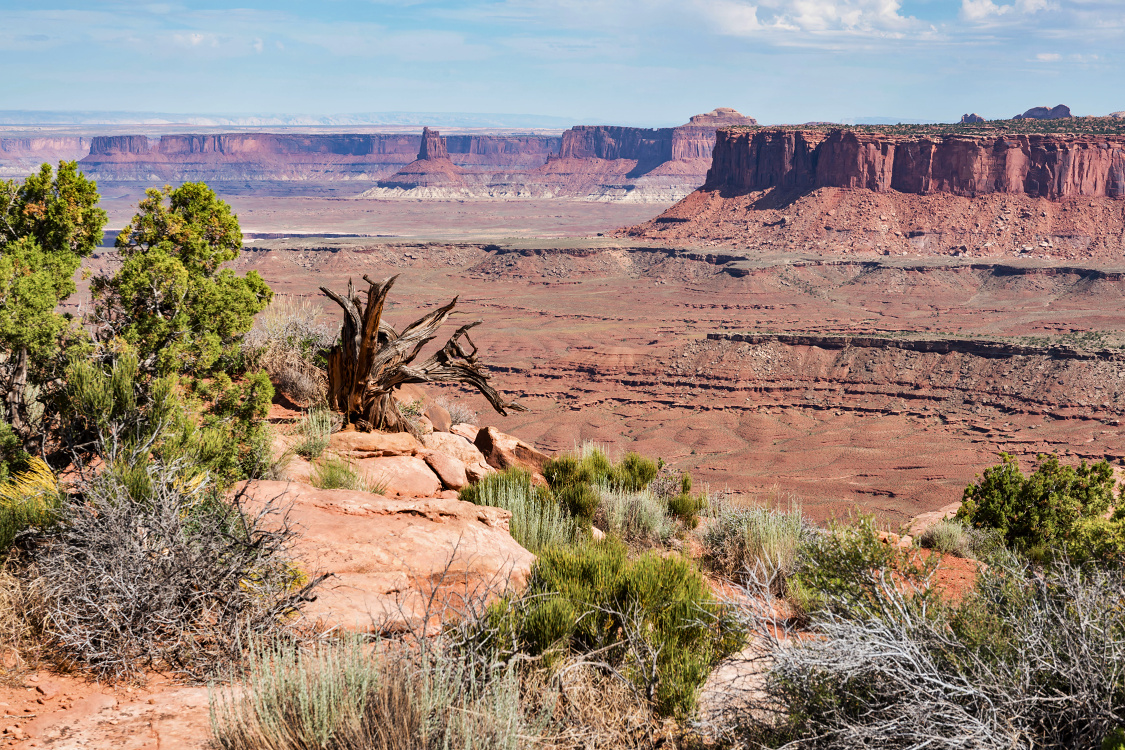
[[388, 556], [439, 417], [408, 393], [505, 452], [454, 445], [478, 471], [373, 444], [401, 476], [450, 470], [467, 431], [972, 118], [1058, 112]]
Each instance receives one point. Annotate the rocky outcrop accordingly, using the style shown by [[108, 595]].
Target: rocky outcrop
[[1118, 115], [1047, 166], [1058, 112], [971, 119], [432, 168], [721, 117], [397, 562]]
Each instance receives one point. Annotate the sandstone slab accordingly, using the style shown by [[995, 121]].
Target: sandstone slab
[[402, 476], [358, 444], [467, 431], [388, 556], [439, 417], [454, 445], [450, 470]]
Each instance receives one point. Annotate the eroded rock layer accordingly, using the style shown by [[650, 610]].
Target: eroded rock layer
[[1046, 166]]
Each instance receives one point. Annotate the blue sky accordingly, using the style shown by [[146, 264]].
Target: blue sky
[[617, 61]]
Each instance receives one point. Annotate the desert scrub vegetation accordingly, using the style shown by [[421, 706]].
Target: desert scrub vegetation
[[336, 473], [651, 620], [740, 540], [352, 695], [538, 522], [953, 537], [1030, 658], [289, 343], [1057, 509], [314, 432], [459, 411], [30, 499]]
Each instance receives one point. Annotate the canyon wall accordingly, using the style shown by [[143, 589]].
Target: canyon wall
[[20, 156], [279, 156], [1038, 166]]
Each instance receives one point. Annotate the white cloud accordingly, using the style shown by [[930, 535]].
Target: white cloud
[[983, 10], [808, 18], [1048, 57]]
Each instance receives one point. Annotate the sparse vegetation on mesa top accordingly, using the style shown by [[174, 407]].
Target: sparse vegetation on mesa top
[[1064, 126]]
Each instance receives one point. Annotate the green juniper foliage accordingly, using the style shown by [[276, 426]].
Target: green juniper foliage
[[1056, 507], [172, 300], [48, 223]]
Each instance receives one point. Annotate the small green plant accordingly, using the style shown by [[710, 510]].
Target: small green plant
[[652, 618], [1115, 740], [686, 506], [538, 521], [335, 473], [316, 431]]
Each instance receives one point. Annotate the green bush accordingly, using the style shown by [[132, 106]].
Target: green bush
[[848, 569], [1055, 507], [1115, 740], [652, 618], [538, 521], [13, 457], [574, 479]]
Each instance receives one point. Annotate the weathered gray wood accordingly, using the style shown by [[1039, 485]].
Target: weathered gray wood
[[372, 359]]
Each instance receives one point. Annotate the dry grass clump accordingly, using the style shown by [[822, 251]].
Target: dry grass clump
[[750, 538], [952, 537], [287, 342], [640, 517], [459, 411]]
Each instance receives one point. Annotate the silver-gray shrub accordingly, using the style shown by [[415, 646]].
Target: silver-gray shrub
[[741, 538], [538, 520], [350, 696], [1031, 659], [172, 580], [640, 516], [955, 538]]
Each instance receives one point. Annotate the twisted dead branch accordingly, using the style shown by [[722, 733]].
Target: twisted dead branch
[[372, 359]]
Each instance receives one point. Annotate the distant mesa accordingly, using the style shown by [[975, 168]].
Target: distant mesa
[[721, 117], [1061, 112], [1118, 115], [432, 168], [971, 119]]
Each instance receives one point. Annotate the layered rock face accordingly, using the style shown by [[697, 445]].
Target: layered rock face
[[20, 156], [273, 156], [1046, 166], [432, 168]]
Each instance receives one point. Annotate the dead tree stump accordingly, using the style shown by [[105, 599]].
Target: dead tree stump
[[372, 359]]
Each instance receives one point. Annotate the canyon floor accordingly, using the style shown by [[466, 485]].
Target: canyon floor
[[607, 339]]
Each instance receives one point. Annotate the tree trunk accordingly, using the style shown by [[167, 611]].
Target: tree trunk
[[13, 400], [372, 359]]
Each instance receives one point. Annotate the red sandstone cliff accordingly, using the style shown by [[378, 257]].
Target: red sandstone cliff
[[1048, 166], [20, 156], [432, 168]]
